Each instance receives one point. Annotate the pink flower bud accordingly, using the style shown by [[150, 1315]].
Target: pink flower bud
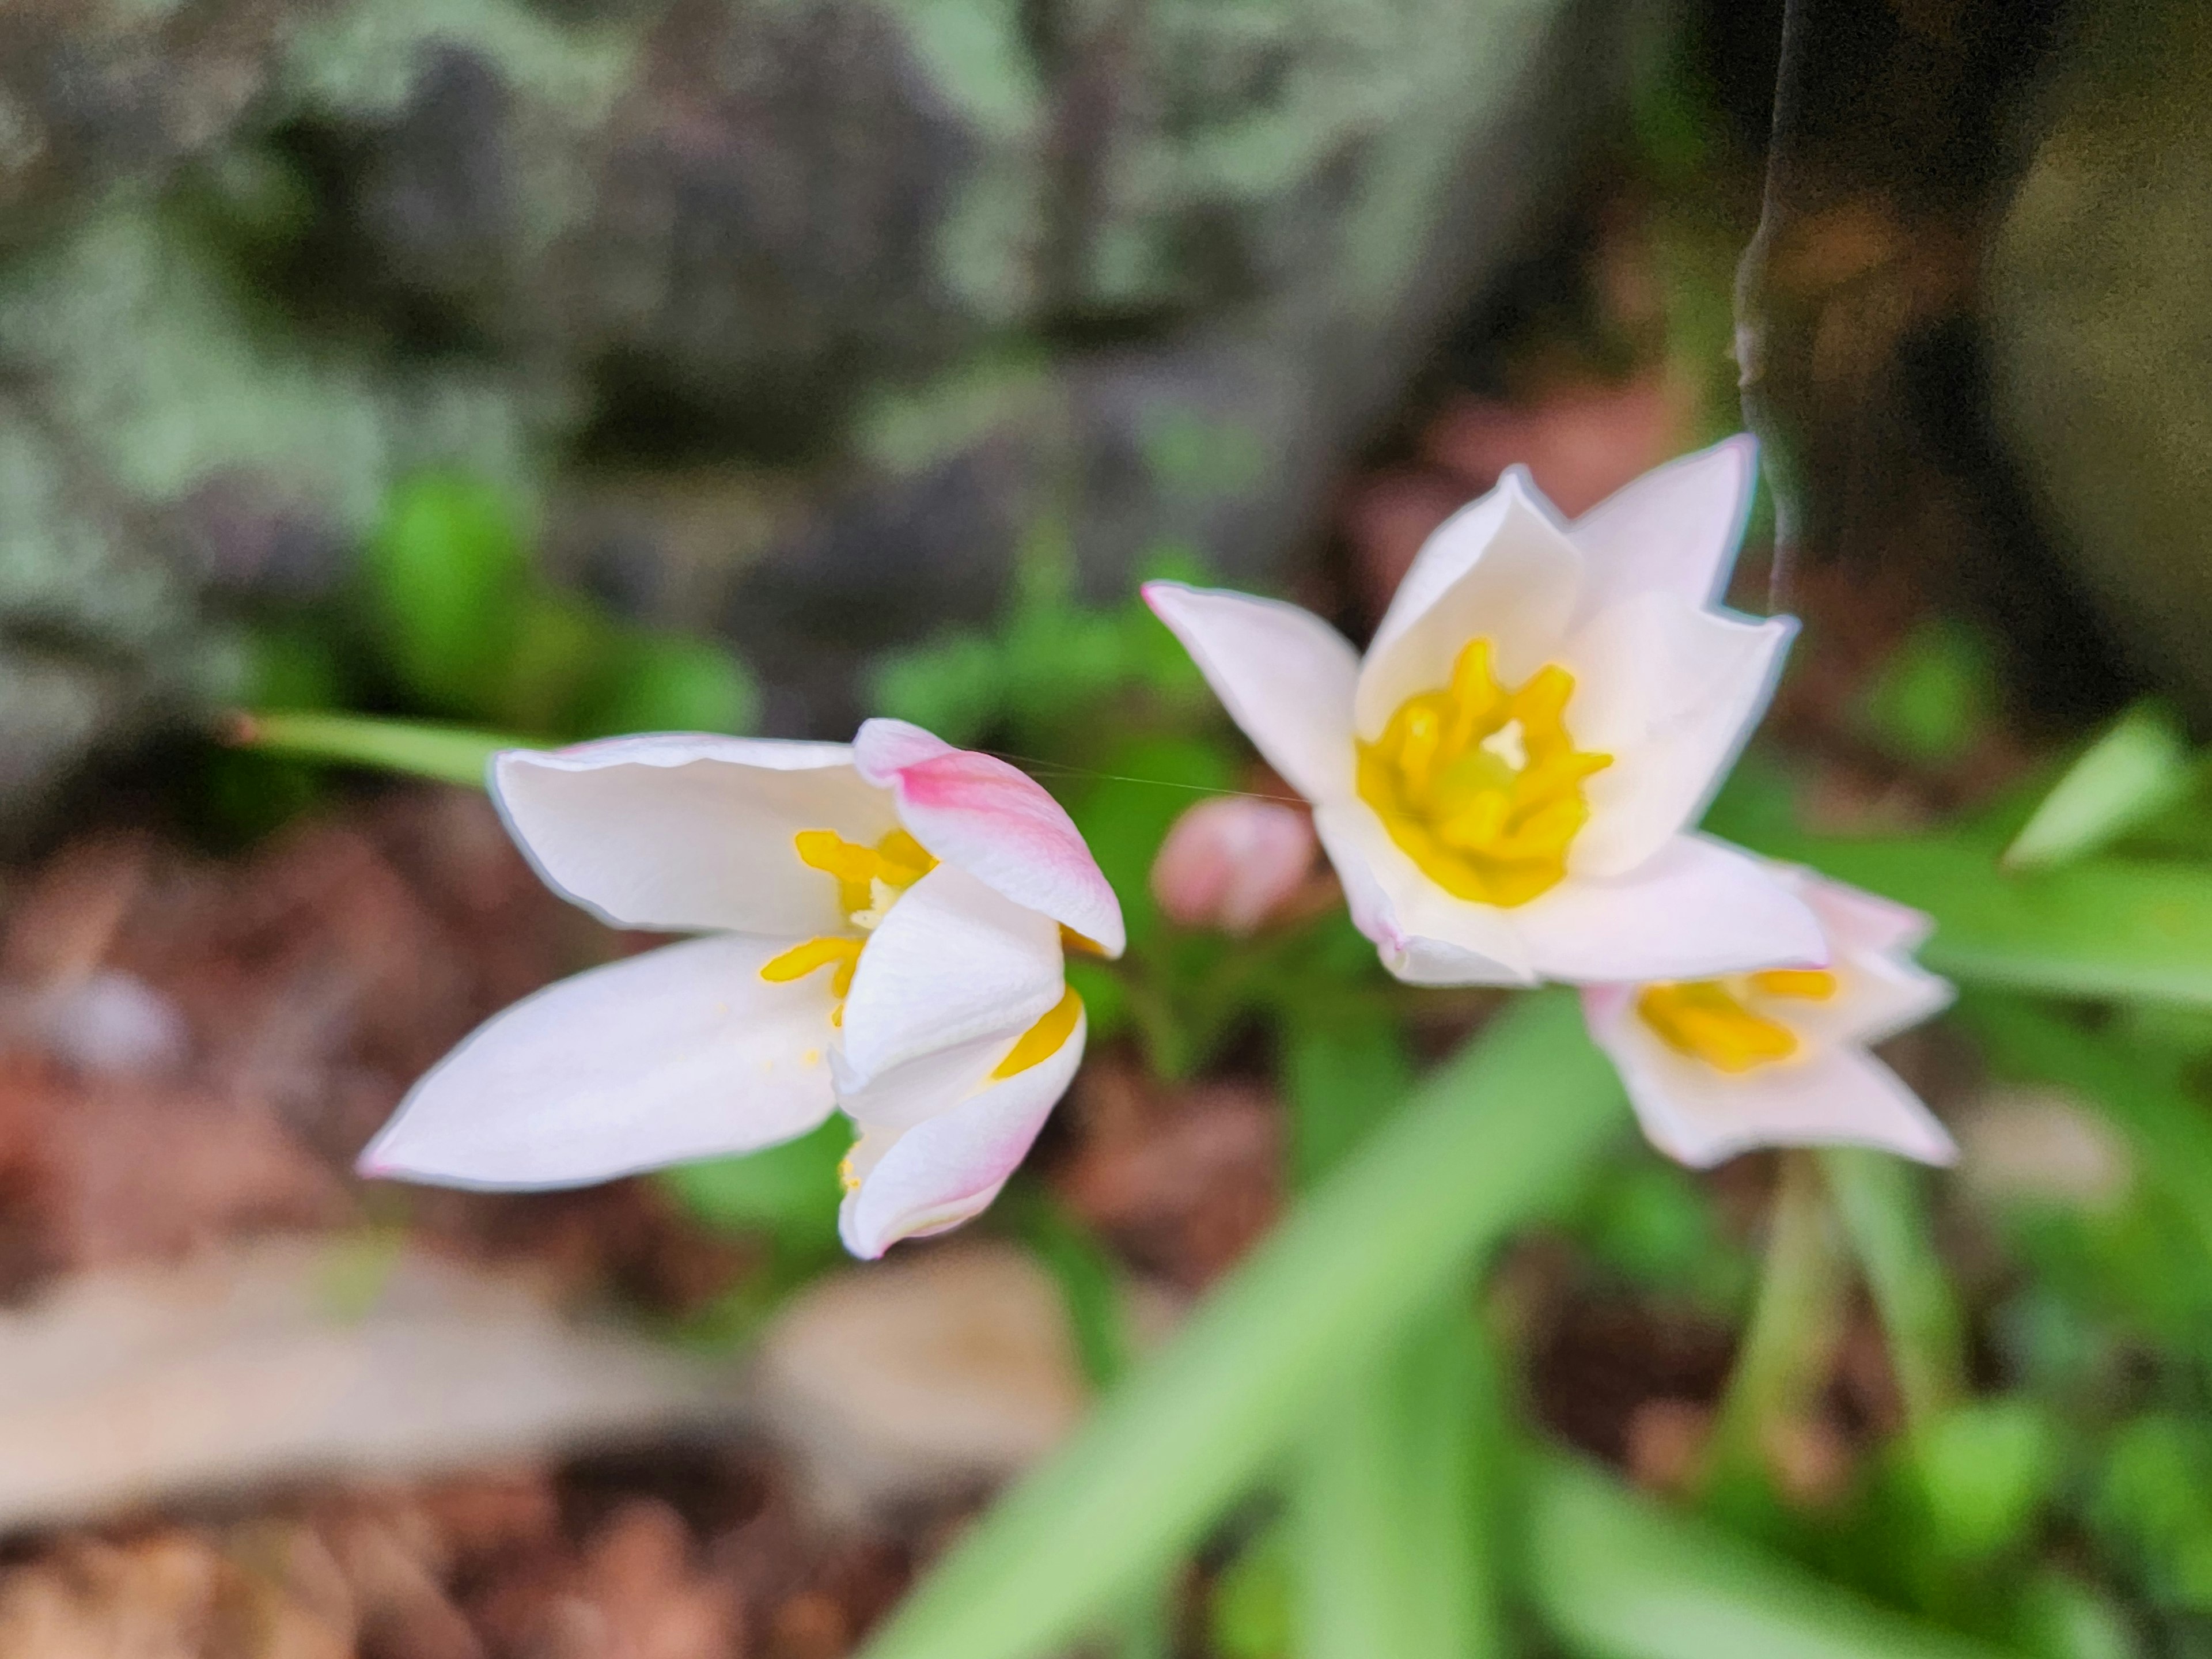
[[1229, 862]]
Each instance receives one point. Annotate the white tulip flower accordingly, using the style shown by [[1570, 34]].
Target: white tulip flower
[[1716, 1067], [1506, 782], [883, 928]]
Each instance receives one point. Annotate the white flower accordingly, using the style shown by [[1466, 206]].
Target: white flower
[[884, 924], [1779, 1058], [1505, 784]]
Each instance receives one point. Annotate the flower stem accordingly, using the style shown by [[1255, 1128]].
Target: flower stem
[[1883, 1207], [1791, 1341]]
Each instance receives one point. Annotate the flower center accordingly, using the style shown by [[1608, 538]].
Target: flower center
[[1481, 786], [1711, 1020], [869, 882]]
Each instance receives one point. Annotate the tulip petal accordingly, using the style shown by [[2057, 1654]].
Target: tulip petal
[[1676, 528], [1880, 990], [1501, 569], [1423, 934], [1284, 676], [684, 1052], [953, 961], [1671, 692], [949, 1165], [996, 821], [679, 830], [1697, 909], [1701, 1116]]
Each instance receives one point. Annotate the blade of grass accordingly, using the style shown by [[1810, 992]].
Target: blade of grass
[[2102, 927], [450, 754], [2137, 767], [1884, 1214], [1617, 1576], [1392, 1556], [1486, 1139]]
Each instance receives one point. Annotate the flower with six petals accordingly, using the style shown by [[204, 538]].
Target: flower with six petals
[[1716, 1067], [882, 926], [1506, 782]]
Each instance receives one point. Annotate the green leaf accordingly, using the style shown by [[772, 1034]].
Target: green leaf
[[665, 683], [446, 573], [1934, 695], [790, 1191], [2137, 767], [1985, 1468], [1617, 1576], [2101, 928], [1394, 1555], [1485, 1140], [451, 754], [1342, 1076]]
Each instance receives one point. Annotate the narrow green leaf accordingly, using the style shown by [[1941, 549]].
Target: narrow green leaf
[[1485, 1140], [1617, 1576], [1884, 1214], [2139, 766], [1392, 1557], [2101, 928], [451, 754]]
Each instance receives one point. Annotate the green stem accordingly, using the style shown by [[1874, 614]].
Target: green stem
[[1791, 1338], [1883, 1206], [450, 754]]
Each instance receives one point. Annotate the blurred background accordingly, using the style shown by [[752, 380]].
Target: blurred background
[[561, 367]]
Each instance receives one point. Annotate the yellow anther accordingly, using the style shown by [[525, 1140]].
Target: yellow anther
[[897, 860], [1811, 984], [1043, 1040], [1072, 940], [801, 960], [1704, 1019], [846, 1178], [1485, 820]]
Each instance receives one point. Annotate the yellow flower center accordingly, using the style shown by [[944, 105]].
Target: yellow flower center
[[1482, 786], [1713, 1020], [869, 882]]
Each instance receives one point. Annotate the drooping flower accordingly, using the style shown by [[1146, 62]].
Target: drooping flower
[[1779, 1058], [1505, 783], [1229, 862], [882, 925]]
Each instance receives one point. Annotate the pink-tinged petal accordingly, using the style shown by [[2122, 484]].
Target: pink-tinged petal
[[996, 821], [1698, 910], [951, 1163], [1228, 863], [1284, 676], [1672, 693], [682, 1053], [676, 830], [1879, 989], [1702, 1116], [1514, 579], [1673, 531], [1424, 935], [954, 960]]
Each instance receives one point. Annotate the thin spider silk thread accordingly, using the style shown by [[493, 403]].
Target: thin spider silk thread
[[1033, 765]]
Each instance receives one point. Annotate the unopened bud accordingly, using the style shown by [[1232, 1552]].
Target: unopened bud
[[1228, 863]]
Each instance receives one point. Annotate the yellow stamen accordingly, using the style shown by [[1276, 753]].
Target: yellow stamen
[[846, 1178], [1072, 940], [1481, 786], [897, 860], [1043, 1040], [802, 959], [1710, 1019]]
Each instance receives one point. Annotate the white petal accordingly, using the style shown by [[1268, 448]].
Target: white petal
[[1697, 909], [1700, 1115], [952, 1164], [684, 1052], [1675, 530], [953, 961], [676, 830], [1671, 692], [1424, 935], [1879, 989], [996, 821], [1500, 570], [1284, 676]]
